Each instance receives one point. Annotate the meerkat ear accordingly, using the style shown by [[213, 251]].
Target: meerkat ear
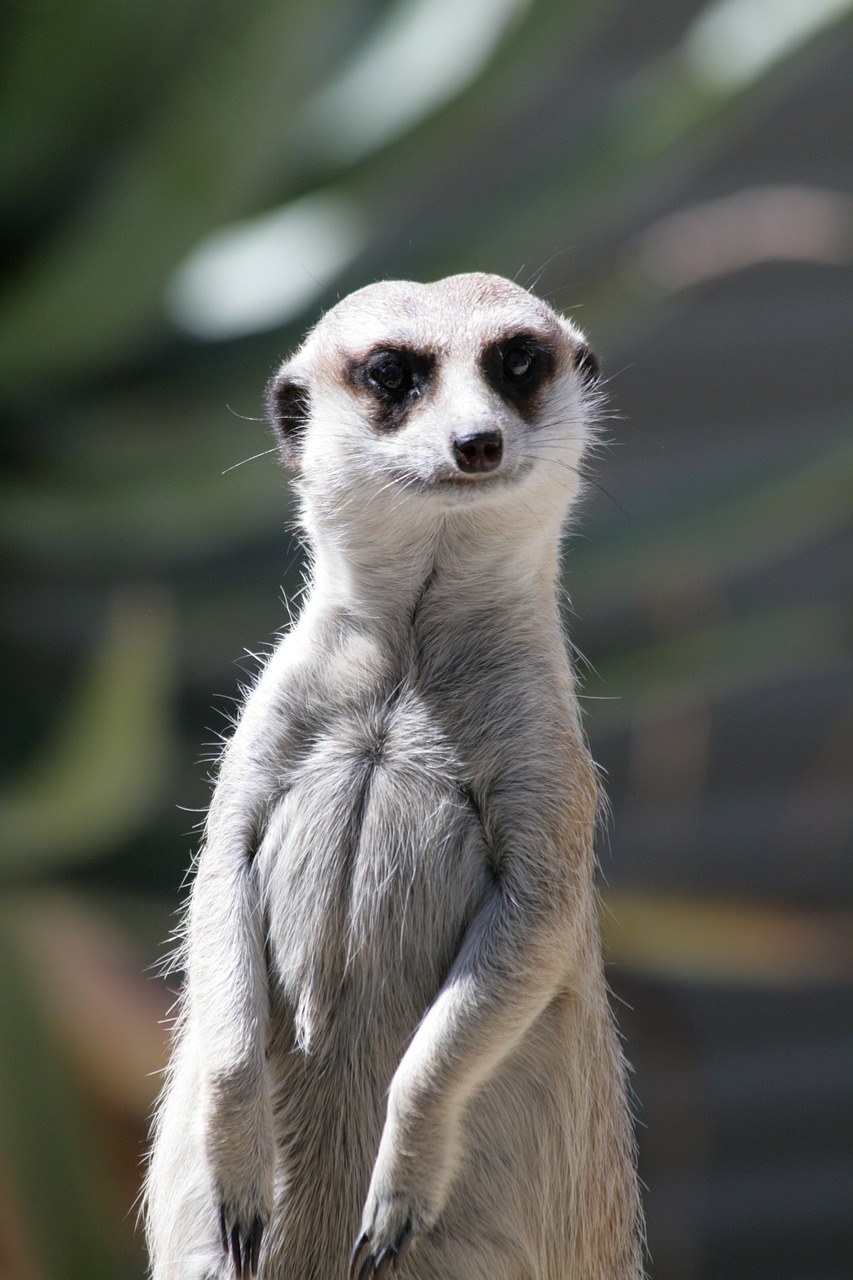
[[586, 363], [289, 408]]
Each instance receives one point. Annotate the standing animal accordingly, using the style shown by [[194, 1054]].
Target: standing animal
[[395, 1025]]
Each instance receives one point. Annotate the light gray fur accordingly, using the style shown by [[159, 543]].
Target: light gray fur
[[395, 1006]]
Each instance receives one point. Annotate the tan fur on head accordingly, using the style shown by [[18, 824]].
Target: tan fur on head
[[395, 1023]]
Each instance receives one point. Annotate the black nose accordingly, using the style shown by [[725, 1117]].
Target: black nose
[[481, 451]]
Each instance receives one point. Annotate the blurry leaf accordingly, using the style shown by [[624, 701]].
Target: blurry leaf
[[175, 515], [267, 270], [60, 71], [45, 1137], [209, 153], [94, 986], [422, 54], [691, 939], [729, 536], [104, 768], [732, 42], [661, 122], [758, 224], [718, 661]]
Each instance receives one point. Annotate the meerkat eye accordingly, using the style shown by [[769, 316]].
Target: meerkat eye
[[393, 379], [518, 363], [392, 374], [517, 366]]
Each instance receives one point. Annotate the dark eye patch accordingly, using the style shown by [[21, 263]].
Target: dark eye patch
[[394, 379], [517, 366]]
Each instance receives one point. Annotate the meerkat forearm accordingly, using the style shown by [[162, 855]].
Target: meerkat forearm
[[515, 958], [484, 1008], [527, 944], [228, 1005], [227, 973]]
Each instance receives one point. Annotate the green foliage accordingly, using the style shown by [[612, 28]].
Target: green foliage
[[104, 768]]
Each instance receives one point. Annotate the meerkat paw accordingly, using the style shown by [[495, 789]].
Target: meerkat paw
[[244, 1206], [390, 1225], [242, 1161], [241, 1238], [408, 1191]]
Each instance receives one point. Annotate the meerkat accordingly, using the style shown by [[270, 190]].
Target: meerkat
[[395, 1051]]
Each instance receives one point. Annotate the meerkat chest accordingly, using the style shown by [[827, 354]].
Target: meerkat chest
[[374, 860]]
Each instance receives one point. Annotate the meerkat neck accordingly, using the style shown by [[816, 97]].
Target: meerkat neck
[[469, 565]]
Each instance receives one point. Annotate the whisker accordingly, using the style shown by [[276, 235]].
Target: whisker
[[561, 288], [245, 416], [265, 453], [537, 275], [588, 479], [604, 382]]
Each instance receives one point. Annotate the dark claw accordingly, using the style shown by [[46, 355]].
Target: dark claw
[[255, 1234], [385, 1261], [246, 1253], [404, 1244], [367, 1267], [235, 1253], [223, 1229], [357, 1255]]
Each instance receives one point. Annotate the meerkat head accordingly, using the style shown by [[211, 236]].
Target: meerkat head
[[423, 398]]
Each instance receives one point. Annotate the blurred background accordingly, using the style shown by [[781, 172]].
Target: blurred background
[[184, 186]]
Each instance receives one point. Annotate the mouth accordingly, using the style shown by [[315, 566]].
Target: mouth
[[469, 482], [458, 482]]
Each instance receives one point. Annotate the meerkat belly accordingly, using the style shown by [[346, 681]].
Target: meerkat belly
[[372, 867]]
